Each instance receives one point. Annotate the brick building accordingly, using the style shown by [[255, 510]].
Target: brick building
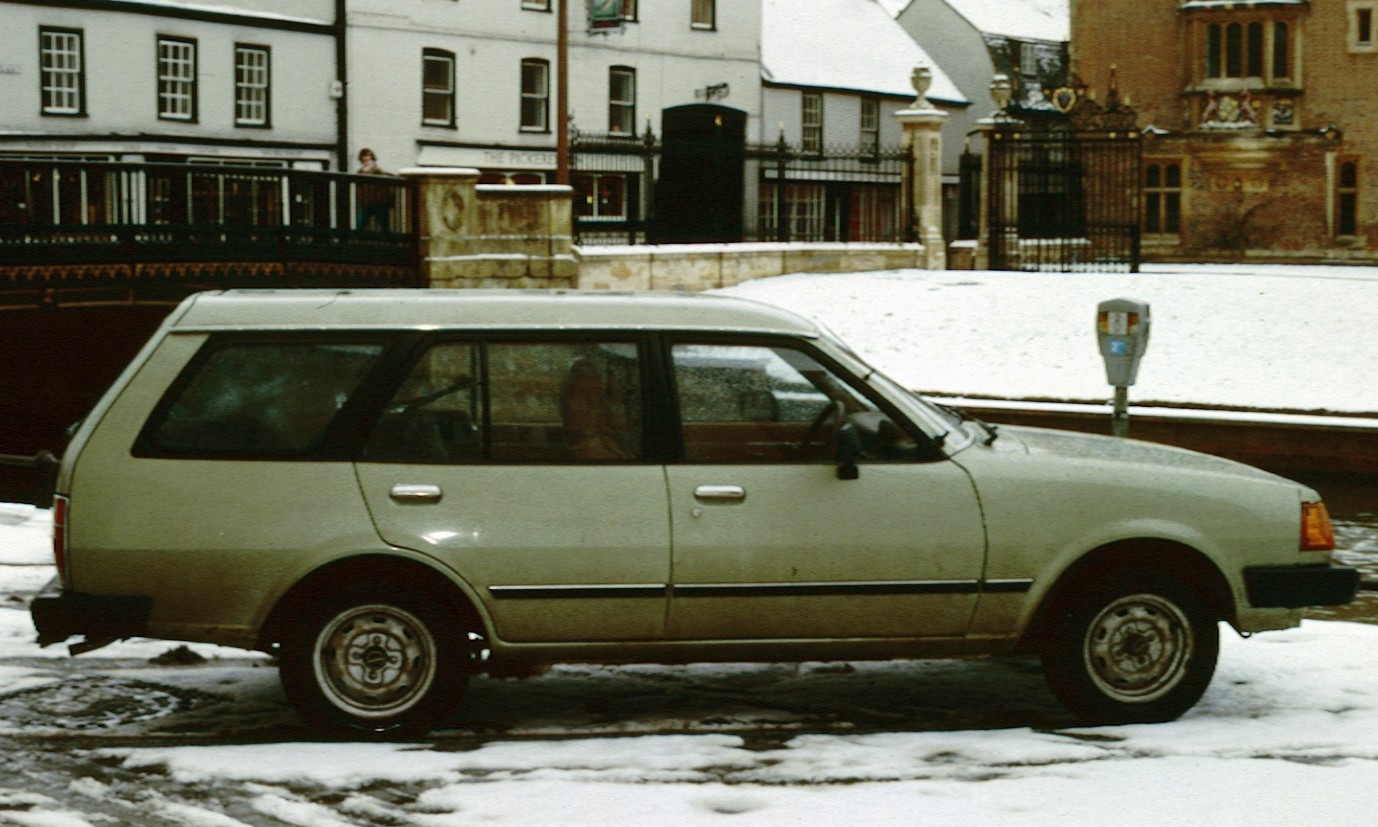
[[1260, 120]]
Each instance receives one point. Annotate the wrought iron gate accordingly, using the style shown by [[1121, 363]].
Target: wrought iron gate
[[1063, 200]]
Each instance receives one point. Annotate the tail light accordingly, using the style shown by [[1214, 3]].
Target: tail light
[[62, 507], [1317, 532]]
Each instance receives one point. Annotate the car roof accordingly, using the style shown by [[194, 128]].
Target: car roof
[[513, 309]]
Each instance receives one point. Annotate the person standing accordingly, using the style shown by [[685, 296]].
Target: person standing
[[374, 200]]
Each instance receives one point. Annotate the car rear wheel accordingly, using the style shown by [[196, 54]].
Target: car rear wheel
[[374, 662], [1135, 648]]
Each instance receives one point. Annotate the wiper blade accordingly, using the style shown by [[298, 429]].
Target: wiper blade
[[992, 431]]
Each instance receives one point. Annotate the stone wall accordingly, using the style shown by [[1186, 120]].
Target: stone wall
[[707, 266], [472, 235]]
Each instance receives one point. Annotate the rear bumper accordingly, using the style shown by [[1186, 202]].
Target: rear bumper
[[1293, 587], [58, 615]]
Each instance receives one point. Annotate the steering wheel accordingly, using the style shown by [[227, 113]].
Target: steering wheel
[[833, 410]]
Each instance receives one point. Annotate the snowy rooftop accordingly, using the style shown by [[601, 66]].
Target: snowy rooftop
[[1023, 19], [844, 44]]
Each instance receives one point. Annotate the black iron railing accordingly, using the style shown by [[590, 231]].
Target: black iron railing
[[58, 213], [832, 193]]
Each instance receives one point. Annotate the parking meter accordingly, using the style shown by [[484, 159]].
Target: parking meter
[[1122, 331]]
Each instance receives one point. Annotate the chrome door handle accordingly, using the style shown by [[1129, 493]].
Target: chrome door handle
[[409, 493], [720, 493]]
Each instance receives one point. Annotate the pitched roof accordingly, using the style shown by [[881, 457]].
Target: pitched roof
[[844, 44], [1021, 19]]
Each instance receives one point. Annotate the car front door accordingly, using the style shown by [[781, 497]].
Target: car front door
[[769, 542], [521, 465]]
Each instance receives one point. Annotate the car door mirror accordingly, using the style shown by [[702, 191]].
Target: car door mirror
[[848, 452]]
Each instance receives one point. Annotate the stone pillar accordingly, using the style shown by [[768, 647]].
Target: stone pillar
[[491, 236], [922, 124], [447, 216], [1001, 91]]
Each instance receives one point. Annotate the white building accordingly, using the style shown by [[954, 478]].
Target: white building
[[234, 82], [473, 83], [834, 72]]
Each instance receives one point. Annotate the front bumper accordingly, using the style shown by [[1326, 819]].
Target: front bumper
[[58, 615], [1293, 587]]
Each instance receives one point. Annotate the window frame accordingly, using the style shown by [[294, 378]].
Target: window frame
[[1163, 200], [925, 450], [338, 440], [1252, 48], [540, 98], [177, 91], [249, 95], [588, 191], [1345, 197], [869, 125], [73, 79], [446, 96], [1361, 18], [650, 451], [622, 111], [811, 122], [703, 15]]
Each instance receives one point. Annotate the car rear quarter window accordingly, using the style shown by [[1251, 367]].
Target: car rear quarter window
[[258, 398]]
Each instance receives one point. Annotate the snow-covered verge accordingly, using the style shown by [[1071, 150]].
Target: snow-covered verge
[[1268, 337]]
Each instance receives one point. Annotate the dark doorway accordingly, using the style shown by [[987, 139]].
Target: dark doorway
[[698, 197], [56, 363]]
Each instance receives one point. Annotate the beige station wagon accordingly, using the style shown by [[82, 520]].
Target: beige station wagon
[[393, 490]]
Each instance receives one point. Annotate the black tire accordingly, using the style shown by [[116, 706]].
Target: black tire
[[375, 662], [1133, 647]]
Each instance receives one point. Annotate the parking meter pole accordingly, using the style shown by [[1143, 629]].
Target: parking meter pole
[[1119, 423]]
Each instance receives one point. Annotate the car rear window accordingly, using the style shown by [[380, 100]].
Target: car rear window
[[258, 398]]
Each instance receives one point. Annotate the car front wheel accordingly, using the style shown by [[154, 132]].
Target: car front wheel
[[375, 663], [1136, 648]]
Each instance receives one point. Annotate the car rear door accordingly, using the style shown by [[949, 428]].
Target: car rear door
[[521, 464]]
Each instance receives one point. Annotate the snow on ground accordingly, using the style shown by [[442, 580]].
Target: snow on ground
[[1271, 337], [1286, 734]]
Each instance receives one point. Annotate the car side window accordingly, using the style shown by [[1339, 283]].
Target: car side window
[[434, 415], [515, 402], [749, 403], [258, 398]]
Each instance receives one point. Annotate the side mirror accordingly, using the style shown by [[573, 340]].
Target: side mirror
[[848, 450]]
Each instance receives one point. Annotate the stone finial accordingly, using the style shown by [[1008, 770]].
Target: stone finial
[[1001, 91], [921, 78]]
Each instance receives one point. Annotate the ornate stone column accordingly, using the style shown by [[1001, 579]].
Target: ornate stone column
[[922, 124]]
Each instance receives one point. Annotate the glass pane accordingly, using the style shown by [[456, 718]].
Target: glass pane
[[276, 398], [1255, 51], [1152, 207], [1282, 63], [564, 402], [434, 415], [759, 404]]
